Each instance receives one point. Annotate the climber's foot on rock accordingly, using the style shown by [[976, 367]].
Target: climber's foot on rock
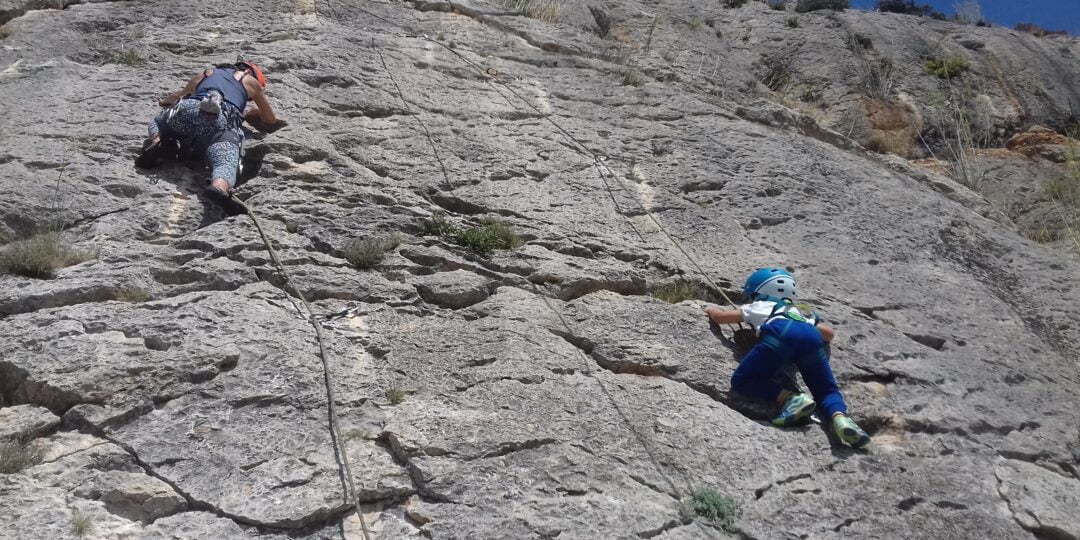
[[152, 154], [219, 188], [849, 432]]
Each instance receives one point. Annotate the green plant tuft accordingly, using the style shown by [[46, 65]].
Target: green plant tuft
[[128, 57], [81, 524], [676, 291], [132, 295], [733, 3], [720, 509], [368, 252], [395, 395], [633, 78], [814, 5], [947, 67], [696, 22], [489, 236], [437, 225], [792, 22], [40, 256], [19, 454]]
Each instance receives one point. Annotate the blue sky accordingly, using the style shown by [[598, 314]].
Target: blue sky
[[1050, 14]]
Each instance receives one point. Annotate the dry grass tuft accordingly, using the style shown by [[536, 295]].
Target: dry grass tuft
[[19, 454], [81, 524], [677, 291], [395, 395], [368, 252], [133, 295], [544, 10], [40, 256]]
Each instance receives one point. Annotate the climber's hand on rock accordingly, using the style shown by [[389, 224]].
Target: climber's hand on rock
[[264, 127]]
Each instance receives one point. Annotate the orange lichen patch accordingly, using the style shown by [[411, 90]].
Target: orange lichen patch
[[1032, 142], [893, 126]]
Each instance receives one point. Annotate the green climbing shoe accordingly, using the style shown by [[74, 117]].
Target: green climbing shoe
[[797, 409], [849, 431]]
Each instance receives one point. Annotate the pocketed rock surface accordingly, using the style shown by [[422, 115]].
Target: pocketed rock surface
[[172, 389]]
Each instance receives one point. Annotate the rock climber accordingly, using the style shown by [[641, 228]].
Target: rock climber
[[787, 335], [205, 117]]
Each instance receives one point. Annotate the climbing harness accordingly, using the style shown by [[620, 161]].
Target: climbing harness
[[351, 494]]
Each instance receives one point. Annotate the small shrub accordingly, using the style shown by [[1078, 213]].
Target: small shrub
[[660, 147], [19, 454], [1066, 188], [437, 225], [368, 252], [132, 295], [732, 3], [804, 6], [715, 507], [489, 236], [1039, 31], [1043, 235], [947, 67], [395, 395], [81, 524], [908, 7], [40, 256], [676, 292], [128, 57], [778, 5], [633, 78], [792, 22]]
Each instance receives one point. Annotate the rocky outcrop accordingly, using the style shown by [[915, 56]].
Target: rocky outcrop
[[535, 392]]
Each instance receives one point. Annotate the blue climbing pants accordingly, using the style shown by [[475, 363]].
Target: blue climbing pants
[[217, 137], [786, 341]]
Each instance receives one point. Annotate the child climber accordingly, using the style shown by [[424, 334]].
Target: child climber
[[787, 335]]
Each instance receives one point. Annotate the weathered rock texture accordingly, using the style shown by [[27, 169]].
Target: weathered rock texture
[[540, 392]]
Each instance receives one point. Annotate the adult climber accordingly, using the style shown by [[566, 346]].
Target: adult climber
[[788, 335], [205, 118]]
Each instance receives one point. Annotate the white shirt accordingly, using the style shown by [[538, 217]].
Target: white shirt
[[758, 313]]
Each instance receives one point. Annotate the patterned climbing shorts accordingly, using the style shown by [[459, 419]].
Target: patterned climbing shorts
[[217, 137]]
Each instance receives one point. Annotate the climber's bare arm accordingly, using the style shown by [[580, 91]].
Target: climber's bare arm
[[720, 316], [189, 88], [260, 114], [827, 333]]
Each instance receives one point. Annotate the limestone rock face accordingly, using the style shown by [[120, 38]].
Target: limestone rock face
[[26, 421], [174, 390]]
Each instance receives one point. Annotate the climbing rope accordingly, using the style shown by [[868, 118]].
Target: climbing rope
[[638, 435], [341, 452], [596, 161], [423, 126]]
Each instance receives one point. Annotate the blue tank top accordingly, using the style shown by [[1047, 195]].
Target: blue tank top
[[232, 90]]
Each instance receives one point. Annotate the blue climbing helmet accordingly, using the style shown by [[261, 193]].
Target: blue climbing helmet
[[773, 284]]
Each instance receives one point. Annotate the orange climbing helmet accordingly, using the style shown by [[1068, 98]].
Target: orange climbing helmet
[[254, 69]]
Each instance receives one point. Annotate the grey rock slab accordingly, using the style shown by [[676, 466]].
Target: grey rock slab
[[946, 316], [455, 290], [26, 421], [194, 526], [132, 495], [1041, 501]]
